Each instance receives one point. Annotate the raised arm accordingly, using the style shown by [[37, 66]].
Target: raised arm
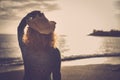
[[20, 31], [57, 67], [22, 25]]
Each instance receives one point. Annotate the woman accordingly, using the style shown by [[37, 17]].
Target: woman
[[41, 58]]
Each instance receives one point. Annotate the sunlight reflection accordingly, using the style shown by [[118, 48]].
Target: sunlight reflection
[[84, 46], [90, 45]]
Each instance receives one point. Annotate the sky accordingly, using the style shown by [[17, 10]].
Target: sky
[[73, 17], [12, 11]]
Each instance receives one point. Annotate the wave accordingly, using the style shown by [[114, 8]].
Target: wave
[[90, 56], [11, 61], [18, 61]]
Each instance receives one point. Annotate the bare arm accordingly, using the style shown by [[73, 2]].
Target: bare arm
[[20, 31], [22, 25]]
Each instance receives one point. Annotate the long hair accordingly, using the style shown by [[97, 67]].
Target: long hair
[[35, 40]]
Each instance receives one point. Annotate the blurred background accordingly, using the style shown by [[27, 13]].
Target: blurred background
[[75, 20]]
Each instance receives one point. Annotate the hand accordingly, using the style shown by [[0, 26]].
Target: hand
[[33, 14], [23, 22]]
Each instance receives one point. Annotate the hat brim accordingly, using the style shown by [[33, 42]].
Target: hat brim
[[42, 25]]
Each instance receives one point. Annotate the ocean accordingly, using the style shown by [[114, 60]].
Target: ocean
[[87, 48]]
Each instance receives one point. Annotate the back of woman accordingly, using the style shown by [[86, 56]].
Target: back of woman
[[42, 64], [41, 58]]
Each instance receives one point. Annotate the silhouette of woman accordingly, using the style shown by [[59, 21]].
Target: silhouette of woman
[[41, 58]]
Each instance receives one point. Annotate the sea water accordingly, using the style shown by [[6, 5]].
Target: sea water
[[10, 55]]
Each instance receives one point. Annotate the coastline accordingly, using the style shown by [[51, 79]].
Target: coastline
[[81, 72], [83, 69], [114, 60]]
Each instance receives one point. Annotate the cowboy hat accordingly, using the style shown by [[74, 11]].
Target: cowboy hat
[[41, 24]]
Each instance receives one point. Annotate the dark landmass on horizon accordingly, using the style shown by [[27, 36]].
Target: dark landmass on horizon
[[111, 33]]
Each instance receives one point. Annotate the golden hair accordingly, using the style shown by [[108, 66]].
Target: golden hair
[[35, 40]]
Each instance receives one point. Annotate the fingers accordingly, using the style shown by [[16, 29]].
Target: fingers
[[34, 13]]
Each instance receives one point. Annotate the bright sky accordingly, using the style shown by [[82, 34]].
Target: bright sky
[[82, 16], [73, 17]]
